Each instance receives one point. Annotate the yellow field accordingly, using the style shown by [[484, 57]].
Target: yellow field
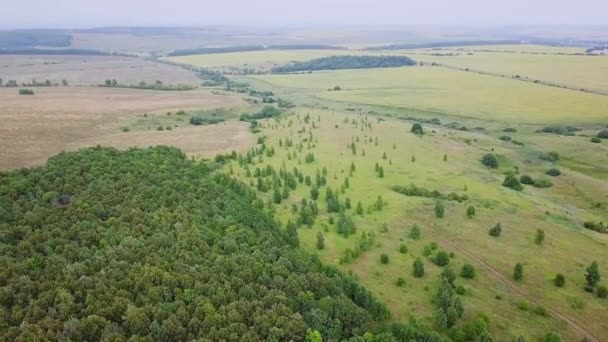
[[527, 48], [590, 72], [261, 60], [449, 92]]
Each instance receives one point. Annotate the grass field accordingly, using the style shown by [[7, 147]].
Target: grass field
[[559, 211], [572, 70], [261, 61], [90, 70], [448, 92], [56, 118]]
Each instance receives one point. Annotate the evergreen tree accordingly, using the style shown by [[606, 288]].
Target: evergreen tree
[[518, 272], [592, 274], [540, 237], [439, 209], [470, 211], [418, 268], [320, 241]]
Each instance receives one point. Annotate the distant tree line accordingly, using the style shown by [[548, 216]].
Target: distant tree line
[[345, 62]]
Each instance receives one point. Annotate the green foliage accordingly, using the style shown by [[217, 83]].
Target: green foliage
[[418, 268], [197, 120], [468, 271], [549, 156], [542, 183], [359, 210], [512, 182], [449, 275], [415, 232], [490, 161], [439, 209], [602, 291], [496, 230], [518, 272], [320, 241], [470, 211], [314, 192], [403, 248], [417, 129], [345, 225], [151, 243], [415, 191], [559, 280], [553, 172], [553, 337], [345, 62], [525, 179], [441, 258], [266, 113], [26, 92], [540, 237], [400, 282], [384, 258], [592, 274], [596, 140]]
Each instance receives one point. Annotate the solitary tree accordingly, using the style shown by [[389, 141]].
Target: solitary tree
[[417, 129], [320, 241], [593, 274], [540, 237], [468, 271], [518, 271], [439, 210], [496, 230], [470, 211], [490, 161], [418, 268]]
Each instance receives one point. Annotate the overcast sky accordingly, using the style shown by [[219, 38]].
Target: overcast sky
[[88, 13]]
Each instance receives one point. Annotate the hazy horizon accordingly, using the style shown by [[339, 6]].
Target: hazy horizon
[[86, 14]]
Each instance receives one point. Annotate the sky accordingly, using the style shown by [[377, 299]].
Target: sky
[[94, 13]]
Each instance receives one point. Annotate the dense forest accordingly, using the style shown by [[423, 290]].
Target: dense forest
[[146, 244], [345, 62]]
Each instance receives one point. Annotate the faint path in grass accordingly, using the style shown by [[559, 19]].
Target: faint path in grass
[[499, 276]]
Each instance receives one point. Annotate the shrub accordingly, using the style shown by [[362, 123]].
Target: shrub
[[320, 241], [490, 161], [559, 280], [26, 92], [542, 183], [417, 129], [552, 337], [439, 210], [468, 271], [441, 259], [525, 179], [540, 237], [496, 230], [415, 232], [592, 274], [596, 140], [418, 268], [541, 311], [460, 290], [603, 134], [403, 248], [384, 259], [400, 282], [518, 272], [553, 172], [470, 211], [602, 291], [512, 182], [550, 156], [505, 138]]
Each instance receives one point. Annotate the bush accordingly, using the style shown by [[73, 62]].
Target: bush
[[460, 290], [26, 92], [541, 311], [518, 272], [403, 248], [550, 156], [441, 258], [553, 172], [439, 209], [470, 211], [415, 232], [542, 183], [418, 268], [602, 291], [496, 230], [384, 259], [603, 134], [400, 282], [512, 182], [596, 140], [490, 161], [525, 179], [559, 280], [468, 271], [552, 337], [417, 129]]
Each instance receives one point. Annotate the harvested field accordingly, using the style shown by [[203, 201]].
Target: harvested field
[[57, 118], [90, 70]]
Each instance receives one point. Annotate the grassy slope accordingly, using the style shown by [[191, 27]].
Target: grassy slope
[[462, 94], [520, 214]]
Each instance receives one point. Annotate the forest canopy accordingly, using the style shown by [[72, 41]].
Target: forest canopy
[[104, 244]]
